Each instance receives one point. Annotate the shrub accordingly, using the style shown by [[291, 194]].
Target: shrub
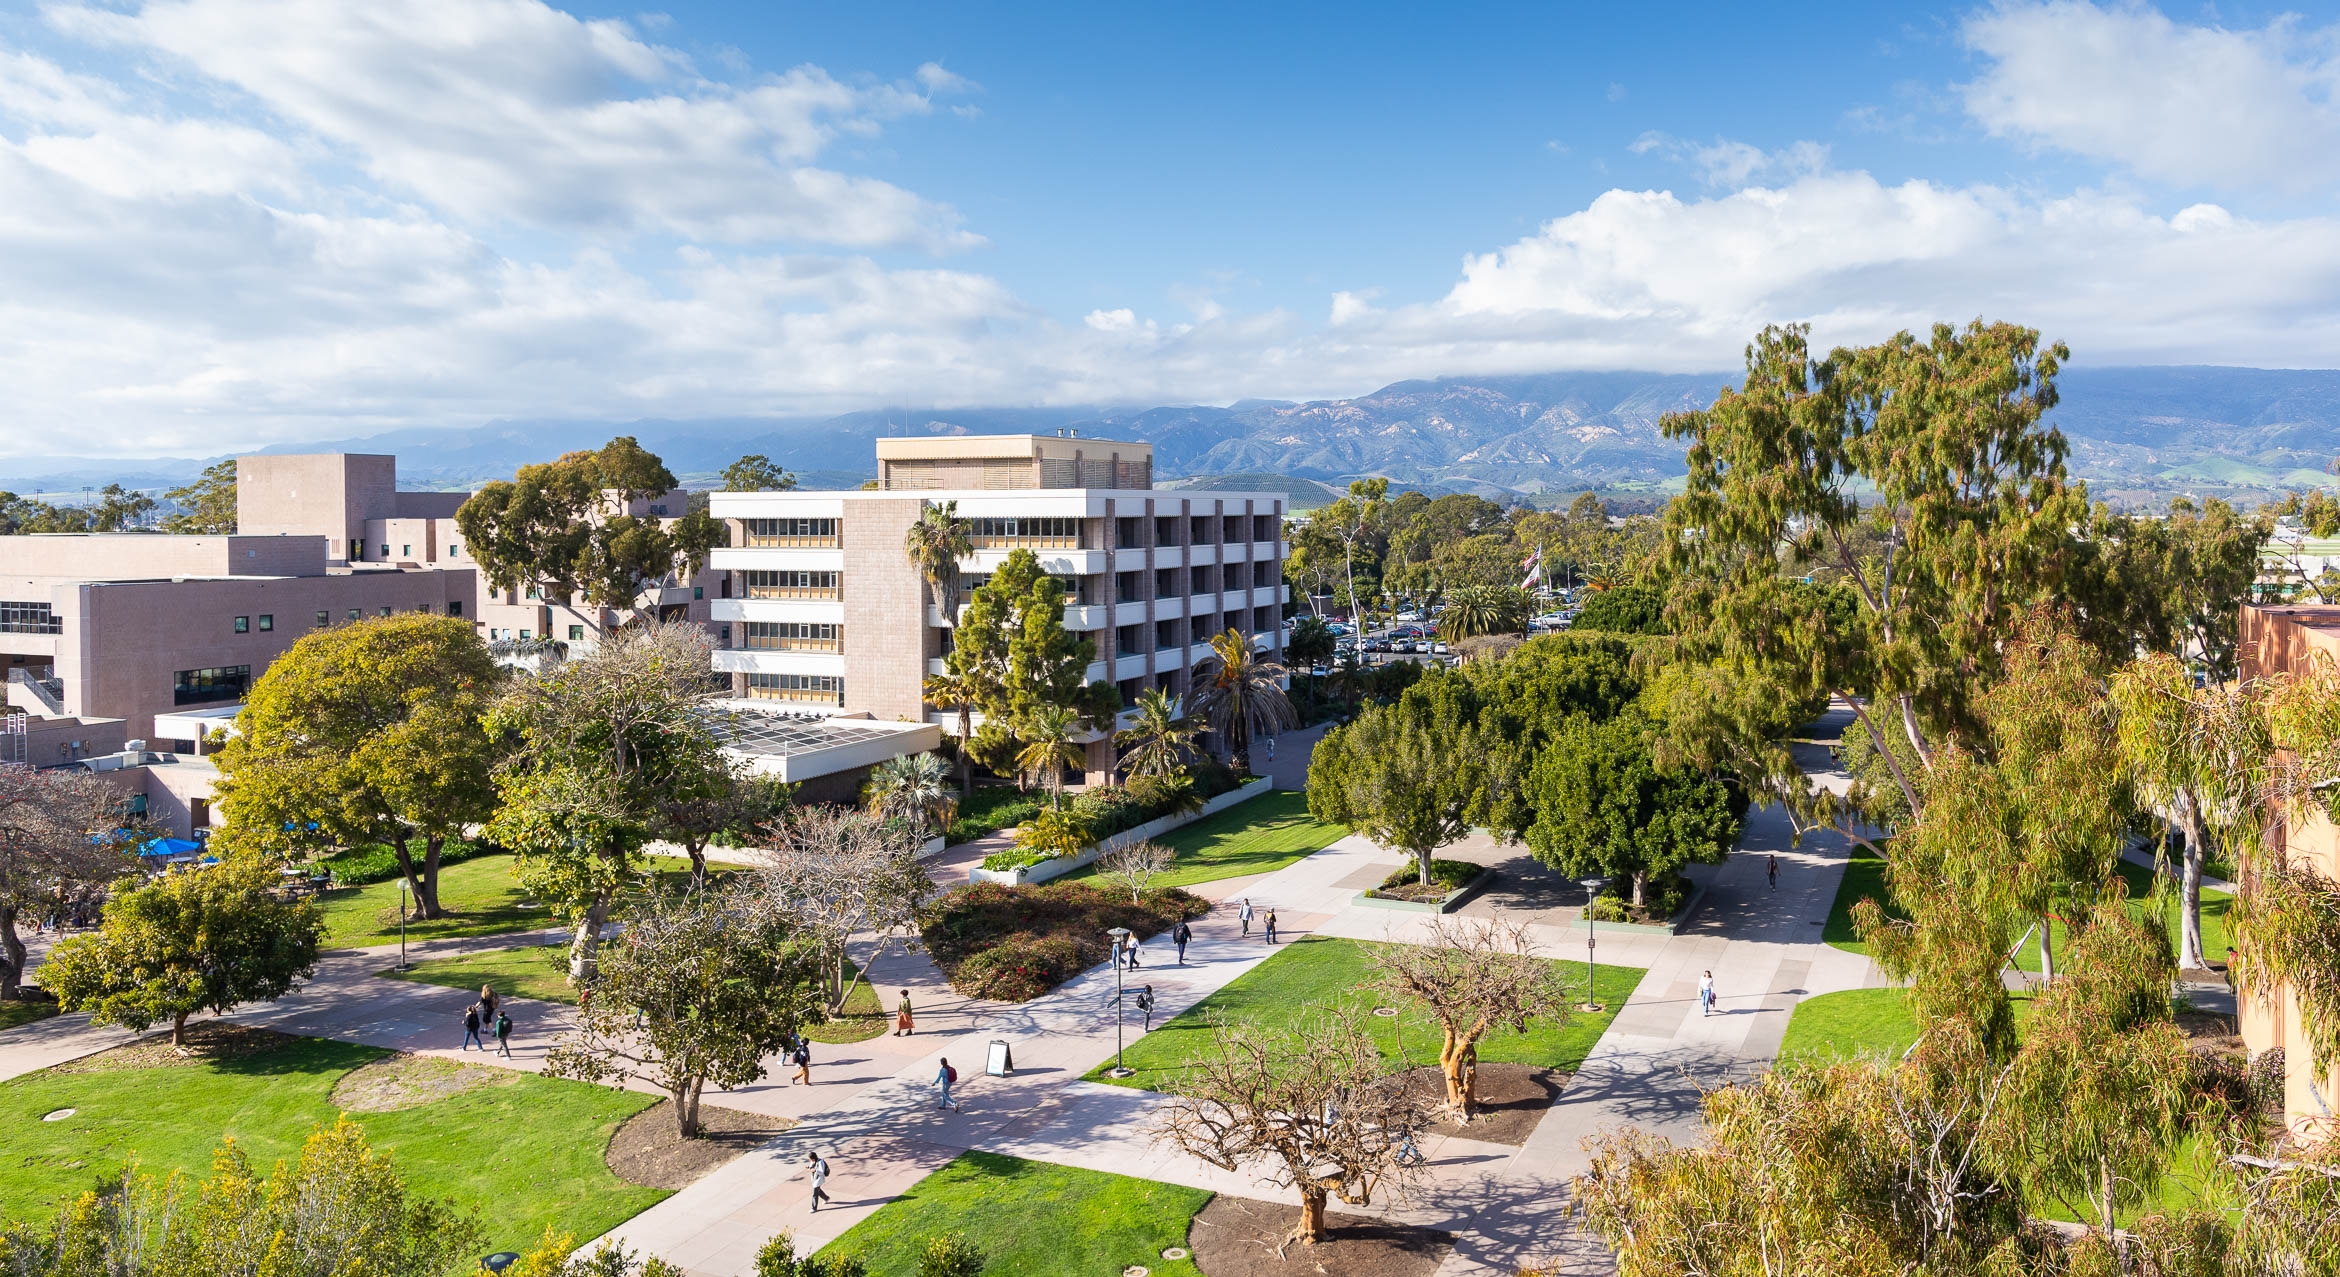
[[1019, 969], [950, 1255], [361, 866], [990, 809], [1404, 882], [982, 919], [1665, 897]]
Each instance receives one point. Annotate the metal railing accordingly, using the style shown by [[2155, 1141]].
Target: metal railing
[[49, 692]]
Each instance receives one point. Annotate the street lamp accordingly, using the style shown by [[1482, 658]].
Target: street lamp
[[1592, 887], [403, 886], [1120, 940]]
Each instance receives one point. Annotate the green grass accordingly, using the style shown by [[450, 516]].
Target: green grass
[[1854, 1022], [1260, 835], [527, 1151], [2215, 904], [1320, 969], [531, 971], [1030, 1219], [482, 896], [1864, 878], [15, 1012]]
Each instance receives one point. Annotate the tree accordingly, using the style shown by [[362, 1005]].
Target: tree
[[935, 544], [559, 528], [702, 989], [956, 691], [1157, 741], [715, 798], [1310, 642], [207, 505], [2194, 753], [1410, 776], [366, 733], [1311, 1102], [592, 746], [1623, 609], [120, 510], [1048, 732], [56, 839], [913, 789], [1473, 975], [1604, 806], [208, 940], [1238, 694], [837, 876], [1476, 610], [1135, 865], [1354, 521], [756, 472]]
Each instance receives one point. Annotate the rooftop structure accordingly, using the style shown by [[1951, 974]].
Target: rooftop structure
[[805, 748]]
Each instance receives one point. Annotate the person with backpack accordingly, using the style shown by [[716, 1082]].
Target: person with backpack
[[471, 1028], [1271, 926], [944, 1077], [1179, 935], [503, 1034], [820, 1176], [1145, 1003], [801, 1057]]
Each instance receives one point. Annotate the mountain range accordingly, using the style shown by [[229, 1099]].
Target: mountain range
[[2138, 434]]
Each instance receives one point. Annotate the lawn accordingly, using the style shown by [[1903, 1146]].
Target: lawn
[[2140, 881], [1853, 1022], [527, 1150], [17, 1011], [1320, 969], [1030, 1219], [1259, 836], [483, 896], [1864, 878]]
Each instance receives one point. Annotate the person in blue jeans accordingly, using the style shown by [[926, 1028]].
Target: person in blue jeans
[[943, 1077], [471, 1035]]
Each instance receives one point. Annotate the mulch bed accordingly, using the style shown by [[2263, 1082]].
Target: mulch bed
[[646, 1150], [410, 1081], [1511, 1099], [1239, 1237], [207, 1040]]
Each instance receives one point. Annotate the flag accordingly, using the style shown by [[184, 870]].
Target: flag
[[1533, 566]]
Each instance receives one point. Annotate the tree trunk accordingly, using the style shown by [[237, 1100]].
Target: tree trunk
[[2047, 950], [2111, 1235], [1640, 882], [422, 880], [686, 1108], [179, 1029], [1422, 863], [697, 851], [2190, 881], [966, 760], [11, 954], [588, 937], [1311, 1228], [1458, 1060]]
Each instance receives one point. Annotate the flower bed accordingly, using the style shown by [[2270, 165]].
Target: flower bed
[[1446, 877], [1012, 944]]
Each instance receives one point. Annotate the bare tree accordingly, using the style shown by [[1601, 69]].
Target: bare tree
[[56, 839], [835, 875], [1311, 1101], [1136, 865], [1474, 975]]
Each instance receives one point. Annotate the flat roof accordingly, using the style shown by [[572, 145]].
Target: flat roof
[[798, 746]]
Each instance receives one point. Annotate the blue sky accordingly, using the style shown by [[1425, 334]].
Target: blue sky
[[230, 222]]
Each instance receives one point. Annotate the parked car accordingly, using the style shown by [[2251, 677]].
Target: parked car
[[1438, 649]]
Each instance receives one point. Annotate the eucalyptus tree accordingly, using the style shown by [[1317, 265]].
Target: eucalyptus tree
[[2197, 754]]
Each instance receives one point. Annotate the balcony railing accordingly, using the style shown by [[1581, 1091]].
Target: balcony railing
[[762, 643], [793, 592], [788, 541]]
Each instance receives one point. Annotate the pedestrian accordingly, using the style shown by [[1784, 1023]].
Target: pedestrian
[[1179, 935], [1145, 1001], [503, 1034], [1245, 914], [471, 1027], [487, 1007], [902, 1023], [820, 1176], [1271, 748], [944, 1077], [1706, 994], [1134, 942], [1271, 925], [1771, 872], [802, 1058]]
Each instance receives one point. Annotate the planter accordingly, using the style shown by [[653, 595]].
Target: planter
[[931, 847], [1063, 865], [1447, 903], [1669, 927]]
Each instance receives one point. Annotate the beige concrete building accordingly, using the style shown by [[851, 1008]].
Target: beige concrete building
[[2276, 640], [826, 615]]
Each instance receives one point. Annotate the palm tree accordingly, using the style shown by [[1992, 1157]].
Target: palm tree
[[1474, 610], [1239, 693], [915, 788], [935, 544], [1155, 744], [957, 691], [1049, 746]]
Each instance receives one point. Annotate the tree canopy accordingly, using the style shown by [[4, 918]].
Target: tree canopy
[[208, 504], [559, 528], [756, 472]]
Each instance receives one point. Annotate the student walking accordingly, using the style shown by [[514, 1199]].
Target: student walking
[[1771, 872], [503, 1034], [902, 1022], [471, 1028], [1271, 926], [1179, 935], [1706, 994], [801, 1057], [1131, 952], [944, 1077], [820, 1176], [487, 1007], [1145, 1003], [1245, 915], [1271, 749]]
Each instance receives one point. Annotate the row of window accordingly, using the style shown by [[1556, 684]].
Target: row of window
[[214, 683], [29, 618], [1200, 529], [789, 584], [786, 533], [794, 636], [818, 689], [454, 550], [265, 622], [1026, 534]]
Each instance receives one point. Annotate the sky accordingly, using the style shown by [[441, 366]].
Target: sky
[[226, 224]]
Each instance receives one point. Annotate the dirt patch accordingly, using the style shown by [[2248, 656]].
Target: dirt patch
[[1239, 1237], [207, 1041], [411, 1081], [1511, 1100], [646, 1150], [2213, 1035]]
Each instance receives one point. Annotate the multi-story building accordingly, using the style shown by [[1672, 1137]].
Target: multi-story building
[[825, 613], [2277, 640]]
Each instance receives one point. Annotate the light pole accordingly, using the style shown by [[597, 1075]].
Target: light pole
[[1120, 938], [1592, 887], [402, 889]]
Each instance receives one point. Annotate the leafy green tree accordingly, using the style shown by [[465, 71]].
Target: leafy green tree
[[1475, 610], [207, 505], [1309, 643], [1158, 738], [1358, 521], [914, 789], [1049, 733], [716, 799], [1240, 695], [209, 940], [593, 745], [366, 733], [554, 527], [935, 544], [1623, 609], [756, 472], [1604, 806], [120, 510], [56, 838], [704, 988], [2196, 754], [1411, 776]]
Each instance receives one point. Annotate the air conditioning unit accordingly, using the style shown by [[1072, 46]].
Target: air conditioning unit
[[133, 747]]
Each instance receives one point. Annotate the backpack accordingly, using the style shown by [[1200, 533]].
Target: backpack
[[950, 1076], [503, 1025]]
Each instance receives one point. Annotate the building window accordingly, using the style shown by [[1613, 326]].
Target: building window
[[217, 683], [1128, 587], [698, 591], [455, 548], [1166, 634], [1129, 534], [454, 607], [576, 634], [723, 635], [1235, 527], [1263, 527], [795, 636], [385, 551], [382, 611], [243, 625], [791, 584], [525, 636], [406, 551], [1166, 583], [1202, 580], [658, 510], [1127, 639], [267, 622], [1026, 534], [1166, 532], [355, 613], [817, 534], [1262, 575], [821, 689], [1202, 530], [535, 592], [324, 619], [29, 618]]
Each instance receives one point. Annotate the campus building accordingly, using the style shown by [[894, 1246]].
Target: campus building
[[825, 614], [2277, 640]]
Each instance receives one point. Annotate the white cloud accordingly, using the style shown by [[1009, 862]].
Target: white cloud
[[2190, 105], [1733, 164]]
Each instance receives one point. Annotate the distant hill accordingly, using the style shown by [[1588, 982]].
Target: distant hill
[[2138, 434]]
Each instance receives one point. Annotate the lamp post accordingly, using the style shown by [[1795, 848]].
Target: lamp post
[[1592, 887], [1120, 939], [403, 886]]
